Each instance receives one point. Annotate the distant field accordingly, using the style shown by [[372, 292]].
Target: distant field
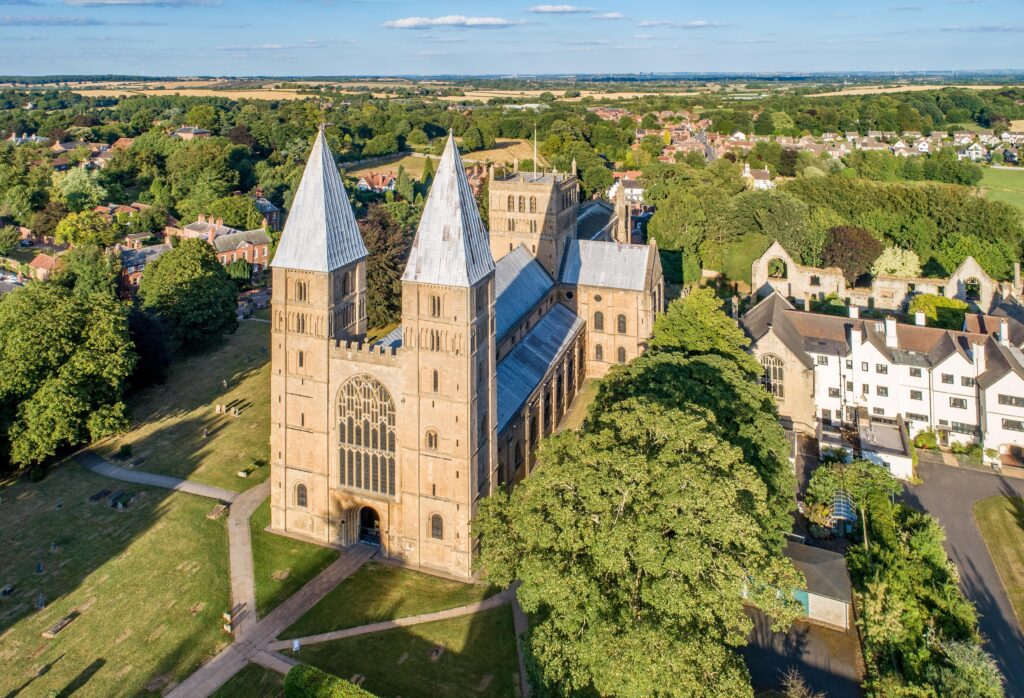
[[879, 89], [413, 165], [1017, 125], [1004, 185], [192, 91], [504, 150], [484, 95]]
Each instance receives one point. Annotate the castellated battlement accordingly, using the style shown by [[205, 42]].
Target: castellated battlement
[[366, 352]]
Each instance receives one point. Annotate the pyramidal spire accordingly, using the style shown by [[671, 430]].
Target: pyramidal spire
[[451, 246], [321, 232]]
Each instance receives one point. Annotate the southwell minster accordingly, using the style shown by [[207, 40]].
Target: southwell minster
[[395, 442]]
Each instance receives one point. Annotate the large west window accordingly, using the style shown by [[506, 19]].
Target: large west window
[[773, 374], [366, 436]]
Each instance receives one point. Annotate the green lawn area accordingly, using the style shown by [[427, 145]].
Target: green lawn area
[[168, 420], [282, 565], [739, 255], [478, 658], [149, 584], [252, 682], [573, 419], [261, 313], [381, 592], [1004, 185], [1001, 522]]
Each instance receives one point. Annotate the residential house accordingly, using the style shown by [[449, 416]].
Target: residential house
[[43, 266], [187, 133], [25, 138], [974, 152], [757, 179], [133, 262], [251, 245], [111, 211], [271, 213], [122, 143], [377, 182]]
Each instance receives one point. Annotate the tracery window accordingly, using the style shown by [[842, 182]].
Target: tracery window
[[366, 435], [773, 374]]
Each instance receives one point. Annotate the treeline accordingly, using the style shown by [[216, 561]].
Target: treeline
[[706, 214], [920, 633], [645, 530], [926, 111]]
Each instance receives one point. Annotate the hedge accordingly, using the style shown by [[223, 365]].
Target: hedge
[[305, 681]]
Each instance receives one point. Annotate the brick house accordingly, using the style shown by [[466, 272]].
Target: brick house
[[133, 262], [43, 266], [251, 245]]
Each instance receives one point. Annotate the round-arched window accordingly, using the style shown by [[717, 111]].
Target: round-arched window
[[599, 352], [431, 440], [621, 353], [436, 527], [599, 321], [300, 495]]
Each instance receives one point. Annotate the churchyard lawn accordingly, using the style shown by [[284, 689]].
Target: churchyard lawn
[[252, 682], [282, 565], [1004, 185], [149, 585], [168, 420], [472, 655], [1001, 522], [380, 591]]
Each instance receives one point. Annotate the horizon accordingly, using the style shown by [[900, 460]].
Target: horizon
[[442, 38]]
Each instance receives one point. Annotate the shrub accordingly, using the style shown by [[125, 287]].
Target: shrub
[[124, 452], [940, 311], [926, 439], [305, 681]]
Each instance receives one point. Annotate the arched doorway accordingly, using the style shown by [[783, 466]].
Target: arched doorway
[[369, 526]]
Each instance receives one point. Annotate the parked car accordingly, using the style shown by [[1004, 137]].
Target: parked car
[[26, 243]]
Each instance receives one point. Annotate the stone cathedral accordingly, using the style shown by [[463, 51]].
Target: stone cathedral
[[394, 442]]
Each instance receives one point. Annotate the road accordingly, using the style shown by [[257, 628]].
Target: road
[[949, 494]]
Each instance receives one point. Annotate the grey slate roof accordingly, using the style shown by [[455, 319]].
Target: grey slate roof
[[521, 371], [451, 247], [769, 314], [391, 339], [593, 219], [520, 282], [142, 256], [824, 570], [232, 241], [321, 233], [607, 264]]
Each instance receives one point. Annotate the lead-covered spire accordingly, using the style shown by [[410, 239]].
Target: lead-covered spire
[[451, 246], [321, 232]]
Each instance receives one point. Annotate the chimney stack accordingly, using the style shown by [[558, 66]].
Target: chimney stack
[[220, 222], [211, 234], [1016, 278], [854, 312], [890, 333], [202, 217], [919, 318], [978, 354], [1004, 332]]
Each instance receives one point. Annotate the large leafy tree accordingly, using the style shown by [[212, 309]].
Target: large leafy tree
[[64, 361], [851, 249], [388, 244], [635, 543], [86, 228], [88, 270], [695, 326], [189, 290]]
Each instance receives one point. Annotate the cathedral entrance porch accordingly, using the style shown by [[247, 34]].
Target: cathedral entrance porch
[[369, 526]]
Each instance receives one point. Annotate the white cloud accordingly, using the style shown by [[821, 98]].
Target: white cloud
[[141, 3], [692, 24], [459, 21], [610, 15], [559, 10]]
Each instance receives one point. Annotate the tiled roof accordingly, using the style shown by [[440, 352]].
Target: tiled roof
[[520, 282], [43, 261], [521, 371], [451, 246], [321, 232], [606, 264], [232, 241]]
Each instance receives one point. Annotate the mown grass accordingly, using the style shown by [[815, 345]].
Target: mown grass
[[1001, 522], [252, 682], [1004, 185], [478, 658], [282, 565], [382, 592], [739, 255], [168, 421], [149, 584], [577, 412]]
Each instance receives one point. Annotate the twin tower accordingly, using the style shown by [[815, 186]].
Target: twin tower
[[394, 443]]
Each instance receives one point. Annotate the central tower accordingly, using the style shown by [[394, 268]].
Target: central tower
[[449, 367]]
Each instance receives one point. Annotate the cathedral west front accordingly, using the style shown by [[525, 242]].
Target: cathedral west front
[[395, 442]]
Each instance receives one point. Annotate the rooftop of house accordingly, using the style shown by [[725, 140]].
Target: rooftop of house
[[824, 570], [240, 238], [134, 257], [43, 261]]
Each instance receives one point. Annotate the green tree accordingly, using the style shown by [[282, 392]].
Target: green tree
[[472, 139], [78, 188], [637, 534], [417, 136], [239, 270], [202, 115], [236, 211], [64, 360], [896, 261], [939, 311], [968, 671], [388, 245], [9, 237], [428, 172], [86, 227], [695, 326], [88, 269], [381, 144], [190, 291], [403, 185]]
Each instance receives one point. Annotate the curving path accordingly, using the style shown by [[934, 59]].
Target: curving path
[[949, 493], [99, 465]]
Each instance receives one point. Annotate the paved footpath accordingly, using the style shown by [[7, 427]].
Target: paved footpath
[[215, 673], [243, 587], [493, 602], [949, 494], [101, 466]]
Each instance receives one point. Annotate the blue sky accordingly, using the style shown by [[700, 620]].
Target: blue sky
[[363, 37]]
